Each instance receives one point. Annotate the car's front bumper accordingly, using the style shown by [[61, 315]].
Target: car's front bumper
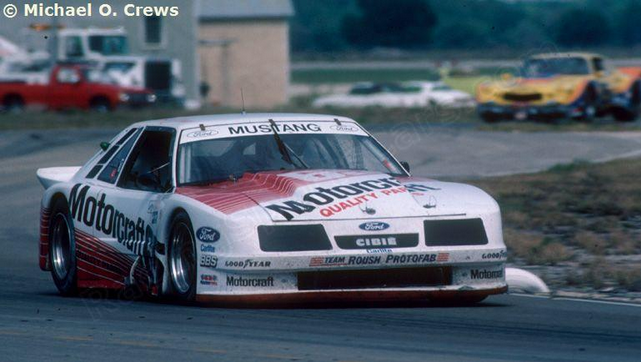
[[525, 112], [379, 276]]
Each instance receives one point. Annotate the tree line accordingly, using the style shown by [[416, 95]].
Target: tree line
[[342, 25]]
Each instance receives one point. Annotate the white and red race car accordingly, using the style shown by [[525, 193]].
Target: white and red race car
[[265, 208]]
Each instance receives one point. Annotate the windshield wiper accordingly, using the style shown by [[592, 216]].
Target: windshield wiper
[[285, 150]]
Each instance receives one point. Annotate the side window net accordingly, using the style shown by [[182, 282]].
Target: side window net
[[110, 152]]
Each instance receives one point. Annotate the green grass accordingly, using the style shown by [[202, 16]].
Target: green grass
[[574, 217], [319, 76], [466, 84]]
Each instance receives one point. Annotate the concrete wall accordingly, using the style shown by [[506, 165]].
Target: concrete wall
[[256, 59], [179, 33]]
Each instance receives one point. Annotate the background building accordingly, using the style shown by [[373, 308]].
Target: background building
[[245, 44]]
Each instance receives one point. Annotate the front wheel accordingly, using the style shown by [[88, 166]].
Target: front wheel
[[182, 258], [62, 249]]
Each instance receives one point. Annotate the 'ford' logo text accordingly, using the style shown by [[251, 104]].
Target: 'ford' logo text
[[207, 235], [373, 226]]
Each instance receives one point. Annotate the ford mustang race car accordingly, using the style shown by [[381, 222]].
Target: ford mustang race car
[[265, 208], [563, 85]]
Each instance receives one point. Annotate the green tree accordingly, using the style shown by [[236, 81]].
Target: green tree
[[629, 29], [399, 24], [581, 27]]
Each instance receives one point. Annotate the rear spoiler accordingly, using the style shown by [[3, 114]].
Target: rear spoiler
[[53, 175]]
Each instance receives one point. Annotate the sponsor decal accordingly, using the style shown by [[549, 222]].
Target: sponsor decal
[[338, 198], [248, 264], [134, 234], [419, 188], [417, 258], [497, 255], [208, 235], [208, 279], [486, 274], [379, 251], [345, 128], [377, 241], [239, 281], [200, 133], [208, 260], [373, 226], [280, 128], [327, 261], [207, 248]]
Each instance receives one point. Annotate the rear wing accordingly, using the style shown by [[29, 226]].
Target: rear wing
[[53, 175]]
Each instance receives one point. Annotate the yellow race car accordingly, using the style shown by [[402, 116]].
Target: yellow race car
[[562, 85]]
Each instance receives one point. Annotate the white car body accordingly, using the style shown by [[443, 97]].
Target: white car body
[[403, 95], [247, 231]]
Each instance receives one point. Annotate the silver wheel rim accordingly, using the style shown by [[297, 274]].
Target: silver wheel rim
[[61, 246], [182, 258], [590, 111]]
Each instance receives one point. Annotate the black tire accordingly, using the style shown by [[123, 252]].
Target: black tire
[[489, 118], [13, 104], [100, 105], [590, 105], [62, 249], [632, 113], [182, 258]]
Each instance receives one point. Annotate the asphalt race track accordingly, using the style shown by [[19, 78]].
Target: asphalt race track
[[38, 325]]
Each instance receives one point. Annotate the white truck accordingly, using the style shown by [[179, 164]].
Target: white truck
[[109, 50]]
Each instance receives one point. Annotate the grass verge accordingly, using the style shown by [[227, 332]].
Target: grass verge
[[582, 221]]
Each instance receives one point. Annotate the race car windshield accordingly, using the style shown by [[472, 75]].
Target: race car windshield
[[216, 160], [541, 68]]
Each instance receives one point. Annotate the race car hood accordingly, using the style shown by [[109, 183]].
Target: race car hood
[[318, 195]]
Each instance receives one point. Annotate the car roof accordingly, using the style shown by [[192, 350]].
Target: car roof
[[188, 122]]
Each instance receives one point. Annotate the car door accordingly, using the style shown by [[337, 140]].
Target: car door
[[65, 90], [132, 202]]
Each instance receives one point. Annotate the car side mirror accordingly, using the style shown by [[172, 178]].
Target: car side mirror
[[406, 165], [104, 145]]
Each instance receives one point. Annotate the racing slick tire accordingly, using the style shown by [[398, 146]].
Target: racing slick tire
[[632, 113], [490, 118], [181, 258], [62, 249], [590, 105]]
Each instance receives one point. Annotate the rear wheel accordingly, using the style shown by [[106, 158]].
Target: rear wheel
[[182, 258], [632, 113], [100, 105], [62, 249], [13, 104]]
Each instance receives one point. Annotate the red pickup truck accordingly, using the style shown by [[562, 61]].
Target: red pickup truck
[[72, 86]]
